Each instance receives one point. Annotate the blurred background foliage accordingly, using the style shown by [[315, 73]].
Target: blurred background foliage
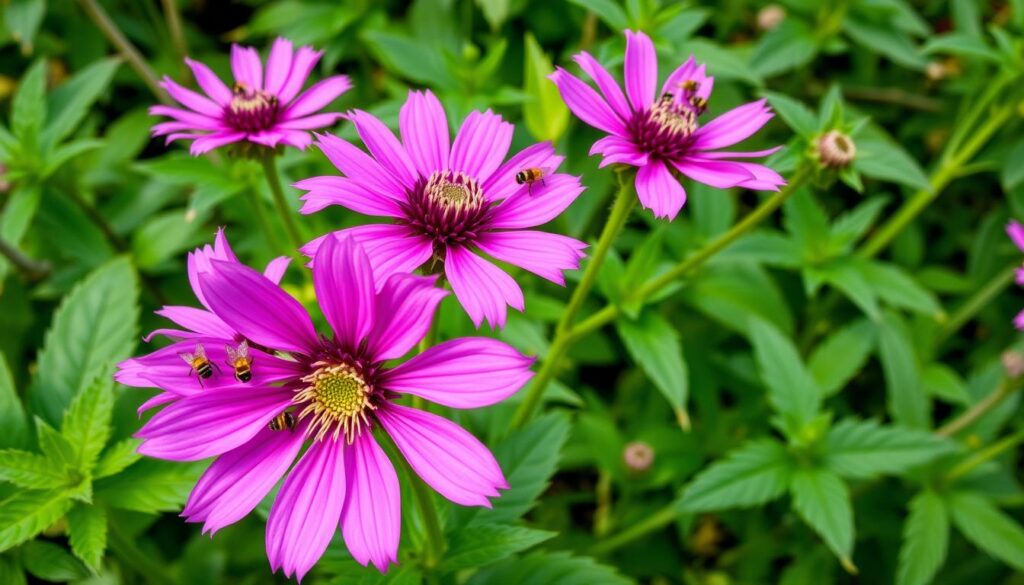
[[829, 399]]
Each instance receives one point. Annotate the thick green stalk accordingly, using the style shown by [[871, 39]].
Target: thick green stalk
[[287, 214]]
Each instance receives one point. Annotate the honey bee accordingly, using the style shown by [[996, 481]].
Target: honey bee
[[666, 99], [689, 85], [238, 358], [700, 104], [285, 420], [532, 175], [199, 363]]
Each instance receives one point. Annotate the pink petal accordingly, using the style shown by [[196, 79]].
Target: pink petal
[[319, 95], [310, 122], [246, 66], [385, 147], [238, 480], [405, 310], [343, 280], [733, 126], [211, 423], [543, 254], [606, 83], [1018, 321], [257, 308], [617, 150], [360, 167], [191, 99], [469, 372], [720, 174], [324, 191], [276, 268], [198, 320], [717, 154], [372, 519], [391, 248], [502, 183], [482, 288], [279, 65], [1016, 232], [425, 133], [307, 510], [540, 205], [268, 138], [158, 400], [640, 70], [765, 179], [209, 82], [446, 456], [208, 143], [659, 191], [303, 63], [481, 144], [690, 71], [194, 119], [587, 104], [297, 138]]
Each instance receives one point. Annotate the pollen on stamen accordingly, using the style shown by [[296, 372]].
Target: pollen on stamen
[[336, 399]]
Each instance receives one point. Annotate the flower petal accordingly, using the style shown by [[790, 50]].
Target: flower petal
[[1016, 232], [446, 456], [257, 308], [502, 183], [208, 143], [481, 144], [617, 150], [391, 248], [425, 132], [319, 95], [482, 288], [385, 147], [469, 372], [606, 83], [191, 99], [360, 167], [659, 191], [690, 71], [193, 119], [544, 202], [279, 65], [733, 126], [209, 82], [303, 63], [587, 104], [751, 154], [343, 280], [405, 310], [543, 254], [276, 268], [640, 69], [313, 122], [372, 519], [198, 321], [307, 510], [238, 480], [324, 191], [246, 66], [719, 174]]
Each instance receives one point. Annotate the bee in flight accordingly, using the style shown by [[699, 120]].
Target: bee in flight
[[238, 358], [532, 175], [199, 363], [285, 420]]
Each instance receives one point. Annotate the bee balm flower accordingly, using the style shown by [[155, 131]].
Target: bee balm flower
[[661, 133], [450, 202], [264, 106], [327, 393]]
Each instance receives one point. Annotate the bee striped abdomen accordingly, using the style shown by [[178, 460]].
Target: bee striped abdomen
[[285, 420], [203, 368]]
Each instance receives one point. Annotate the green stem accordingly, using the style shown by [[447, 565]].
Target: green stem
[[287, 214], [434, 545], [656, 521], [977, 302], [173, 18], [990, 452], [145, 565], [969, 416], [257, 208]]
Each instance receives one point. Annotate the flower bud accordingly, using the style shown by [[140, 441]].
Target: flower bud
[[836, 150], [638, 456], [770, 17], [1013, 363]]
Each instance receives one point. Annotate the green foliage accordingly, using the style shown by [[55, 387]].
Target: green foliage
[[478, 546], [925, 539]]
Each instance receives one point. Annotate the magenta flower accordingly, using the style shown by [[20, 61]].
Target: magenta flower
[[263, 107], [449, 202], [1016, 232], [658, 133], [328, 394]]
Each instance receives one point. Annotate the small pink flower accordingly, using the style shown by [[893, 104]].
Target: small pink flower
[[263, 107], [449, 202], [1016, 232], [657, 133], [324, 393]]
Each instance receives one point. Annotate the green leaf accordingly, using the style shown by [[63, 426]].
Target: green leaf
[[477, 546], [529, 457], [22, 19], [791, 389], [66, 152], [756, 473], [87, 533], [1012, 173], [151, 485], [847, 275], [607, 10], [942, 381], [31, 471], [823, 501], [165, 236], [27, 513], [11, 572], [795, 114], [730, 294], [544, 111], [654, 344], [838, 359], [69, 103], [87, 423], [789, 46], [12, 414], [988, 528], [54, 445], [28, 108], [763, 247], [864, 449], [886, 40], [906, 398], [116, 458], [850, 226], [879, 157], [544, 568], [94, 327], [897, 288], [806, 220], [495, 12], [50, 562], [18, 214], [925, 540], [963, 45], [410, 58]]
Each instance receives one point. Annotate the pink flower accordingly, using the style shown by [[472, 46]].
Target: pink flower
[[449, 202], [657, 133], [1016, 232], [263, 107], [325, 393]]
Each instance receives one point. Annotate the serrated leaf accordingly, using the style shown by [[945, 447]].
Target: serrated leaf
[[925, 540], [30, 471], [27, 513], [795, 114], [823, 501], [50, 562], [12, 414], [654, 345], [906, 398], [54, 445], [850, 226], [899, 289], [93, 328], [756, 473], [729, 294], [555, 568], [69, 103], [789, 46], [988, 527], [791, 389], [87, 534], [116, 458], [879, 157], [87, 422], [863, 449], [848, 276], [544, 111], [477, 546], [840, 356], [151, 485]]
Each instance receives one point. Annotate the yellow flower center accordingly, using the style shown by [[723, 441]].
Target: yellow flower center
[[336, 399]]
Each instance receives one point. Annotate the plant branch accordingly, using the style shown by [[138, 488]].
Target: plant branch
[[978, 301], [32, 269], [972, 414], [173, 18], [287, 214]]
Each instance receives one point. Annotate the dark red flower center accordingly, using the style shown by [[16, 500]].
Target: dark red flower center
[[665, 129], [448, 207], [251, 110]]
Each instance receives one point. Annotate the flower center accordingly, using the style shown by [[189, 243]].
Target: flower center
[[251, 110], [448, 207], [665, 128], [336, 399]]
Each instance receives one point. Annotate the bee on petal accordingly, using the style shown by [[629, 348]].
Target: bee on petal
[[285, 420], [239, 360], [199, 363], [532, 175]]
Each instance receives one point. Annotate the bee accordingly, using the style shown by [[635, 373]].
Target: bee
[[199, 363], [532, 175], [285, 420], [689, 85], [238, 358], [666, 99], [699, 104]]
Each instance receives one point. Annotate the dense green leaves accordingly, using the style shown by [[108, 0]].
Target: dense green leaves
[[861, 449], [791, 388], [477, 546], [823, 501], [654, 344], [87, 533], [754, 474], [560, 567], [544, 112], [988, 528], [26, 513], [925, 539]]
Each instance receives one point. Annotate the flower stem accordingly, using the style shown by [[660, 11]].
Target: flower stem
[[256, 205], [969, 416], [977, 302], [173, 18], [434, 545], [990, 452], [656, 521], [286, 213], [32, 269]]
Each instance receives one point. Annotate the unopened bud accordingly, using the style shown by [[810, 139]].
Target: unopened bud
[[935, 71], [770, 17], [1013, 363], [836, 150], [638, 456]]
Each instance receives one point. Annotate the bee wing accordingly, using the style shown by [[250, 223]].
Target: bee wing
[[187, 357], [546, 171], [200, 351], [233, 354], [243, 349]]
